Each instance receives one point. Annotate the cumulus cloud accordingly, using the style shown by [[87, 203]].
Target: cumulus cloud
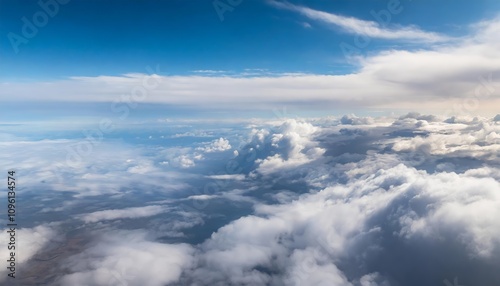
[[217, 145], [292, 146], [369, 213], [127, 258], [377, 201], [314, 237], [184, 161], [463, 137]]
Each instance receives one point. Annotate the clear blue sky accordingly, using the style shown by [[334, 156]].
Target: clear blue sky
[[88, 38]]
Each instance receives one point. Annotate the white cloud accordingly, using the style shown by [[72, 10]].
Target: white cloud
[[294, 147], [237, 177], [83, 168], [185, 161], [210, 71], [362, 27], [368, 213], [352, 119], [218, 145], [134, 212], [193, 134], [464, 137], [127, 258], [361, 209], [460, 75], [29, 241]]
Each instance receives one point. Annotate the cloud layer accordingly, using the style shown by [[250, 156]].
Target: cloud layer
[[370, 211], [343, 200], [457, 77]]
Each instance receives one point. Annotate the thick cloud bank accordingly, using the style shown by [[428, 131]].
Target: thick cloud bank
[[349, 200], [413, 201], [127, 258]]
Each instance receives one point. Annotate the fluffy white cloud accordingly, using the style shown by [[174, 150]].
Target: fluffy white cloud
[[293, 145], [463, 137], [29, 241], [315, 236], [370, 210], [217, 145], [184, 161], [376, 203], [127, 258]]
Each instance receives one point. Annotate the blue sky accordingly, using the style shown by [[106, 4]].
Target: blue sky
[[370, 56], [89, 38]]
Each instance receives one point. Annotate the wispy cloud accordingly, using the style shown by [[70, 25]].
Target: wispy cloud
[[135, 212], [210, 71], [362, 27]]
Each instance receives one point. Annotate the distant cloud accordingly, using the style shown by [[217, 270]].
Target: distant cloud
[[292, 145], [193, 134], [361, 27], [218, 145], [134, 212], [461, 76], [238, 177], [352, 119], [210, 71]]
